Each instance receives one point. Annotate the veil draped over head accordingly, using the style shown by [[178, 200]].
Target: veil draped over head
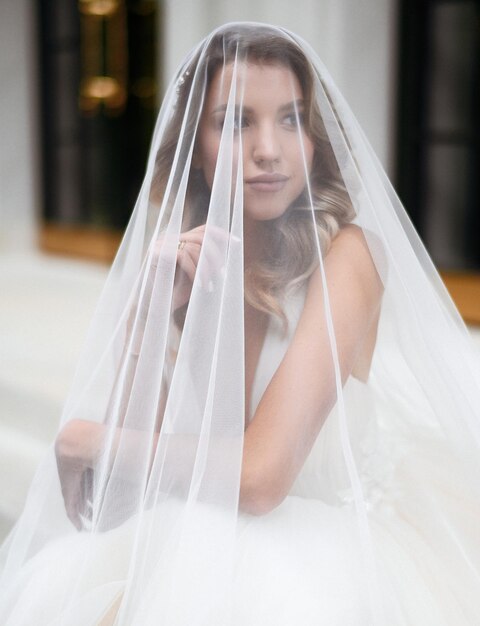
[[275, 418]]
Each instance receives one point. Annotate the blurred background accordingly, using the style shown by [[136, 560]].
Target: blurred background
[[80, 86]]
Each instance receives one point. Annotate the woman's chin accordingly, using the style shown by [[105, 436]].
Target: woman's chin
[[264, 213]]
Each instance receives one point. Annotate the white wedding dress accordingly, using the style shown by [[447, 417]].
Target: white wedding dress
[[298, 564]]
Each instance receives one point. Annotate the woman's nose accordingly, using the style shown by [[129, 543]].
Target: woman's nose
[[266, 147]]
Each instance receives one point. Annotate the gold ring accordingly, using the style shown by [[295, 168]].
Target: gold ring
[[181, 244]]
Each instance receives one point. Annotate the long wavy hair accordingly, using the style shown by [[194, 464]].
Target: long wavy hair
[[266, 280]]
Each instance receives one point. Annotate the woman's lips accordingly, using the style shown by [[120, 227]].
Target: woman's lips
[[267, 182]]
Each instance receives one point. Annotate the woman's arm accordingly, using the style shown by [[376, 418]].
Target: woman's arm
[[302, 392], [81, 443]]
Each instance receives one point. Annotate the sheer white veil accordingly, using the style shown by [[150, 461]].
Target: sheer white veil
[[246, 203]]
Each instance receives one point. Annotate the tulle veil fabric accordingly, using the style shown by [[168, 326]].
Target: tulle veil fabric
[[216, 265]]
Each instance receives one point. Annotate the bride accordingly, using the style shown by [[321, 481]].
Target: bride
[[275, 419]]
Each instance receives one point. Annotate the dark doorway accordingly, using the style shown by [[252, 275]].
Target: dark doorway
[[98, 61], [439, 127]]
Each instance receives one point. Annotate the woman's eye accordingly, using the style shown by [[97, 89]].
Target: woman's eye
[[294, 119], [238, 123]]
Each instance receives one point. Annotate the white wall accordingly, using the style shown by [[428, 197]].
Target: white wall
[[19, 189], [354, 38]]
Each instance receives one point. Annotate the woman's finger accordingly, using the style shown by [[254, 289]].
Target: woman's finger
[[186, 263], [70, 480], [213, 253], [192, 237], [202, 261], [211, 259], [203, 251]]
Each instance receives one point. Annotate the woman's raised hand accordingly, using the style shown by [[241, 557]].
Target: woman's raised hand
[[190, 245]]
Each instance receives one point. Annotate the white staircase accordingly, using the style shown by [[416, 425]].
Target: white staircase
[[45, 307]]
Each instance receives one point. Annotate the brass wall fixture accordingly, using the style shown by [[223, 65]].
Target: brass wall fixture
[[104, 56]]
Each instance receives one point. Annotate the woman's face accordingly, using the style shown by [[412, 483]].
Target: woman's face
[[277, 153]]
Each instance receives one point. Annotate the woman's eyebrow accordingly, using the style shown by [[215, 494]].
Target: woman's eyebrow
[[223, 107], [294, 104]]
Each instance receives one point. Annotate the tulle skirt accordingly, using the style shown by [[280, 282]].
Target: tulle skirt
[[302, 563], [298, 564]]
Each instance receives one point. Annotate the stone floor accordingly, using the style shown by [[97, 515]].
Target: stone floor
[[45, 306]]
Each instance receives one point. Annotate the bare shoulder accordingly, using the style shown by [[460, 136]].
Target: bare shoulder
[[350, 273], [349, 261], [351, 242], [362, 247]]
